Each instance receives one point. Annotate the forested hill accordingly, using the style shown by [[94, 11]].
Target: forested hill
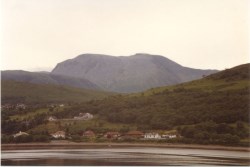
[[217, 100]]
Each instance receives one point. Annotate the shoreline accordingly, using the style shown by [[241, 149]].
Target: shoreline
[[73, 145]]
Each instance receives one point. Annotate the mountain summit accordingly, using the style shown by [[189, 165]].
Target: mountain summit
[[128, 73]]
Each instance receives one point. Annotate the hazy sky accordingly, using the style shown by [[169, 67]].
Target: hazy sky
[[37, 34]]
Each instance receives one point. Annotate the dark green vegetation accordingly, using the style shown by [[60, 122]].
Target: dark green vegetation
[[23, 92], [212, 110]]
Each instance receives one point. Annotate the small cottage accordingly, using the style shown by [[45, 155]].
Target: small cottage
[[169, 136], [112, 135], [152, 136], [52, 118], [61, 105], [59, 134], [21, 106], [134, 135], [84, 116]]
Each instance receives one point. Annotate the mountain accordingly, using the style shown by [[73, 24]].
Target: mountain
[[211, 110], [47, 78], [30, 93], [215, 97], [128, 73]]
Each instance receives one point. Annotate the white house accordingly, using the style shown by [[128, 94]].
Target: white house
[[52, 118], [21, 106], [84, 116], [58, 134], [61, 105], [152, 136], [169, 136]]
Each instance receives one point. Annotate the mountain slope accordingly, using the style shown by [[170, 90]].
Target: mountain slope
[[237, 73], [235, 78], [47, 78], [23, 92], [212, 110], [207, 99], [128, 74]]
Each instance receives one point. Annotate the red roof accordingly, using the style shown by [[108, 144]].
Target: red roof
[[112, 133], [135, 133]]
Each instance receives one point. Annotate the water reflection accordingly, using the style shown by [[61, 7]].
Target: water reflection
[[124, 156]]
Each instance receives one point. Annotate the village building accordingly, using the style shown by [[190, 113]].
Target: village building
[[21, 106], [112, 135], [8, 106], [169, 136], [52, 105], [84, 116], [89, 134], [52, 118], [134, 135], [58, 134], [20, 133], [61, 105], [152, 135]]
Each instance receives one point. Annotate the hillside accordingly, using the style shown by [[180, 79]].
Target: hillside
[[237, 73], [215, 107], [128, 73], [212, 110], [235, 78], [187, 103], [23, 92], [47, 78]]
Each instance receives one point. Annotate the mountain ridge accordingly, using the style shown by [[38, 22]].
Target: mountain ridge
[[127, 74], [47, 78], [14, 92]]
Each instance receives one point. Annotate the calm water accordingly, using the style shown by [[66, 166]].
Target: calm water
[[124, 156]]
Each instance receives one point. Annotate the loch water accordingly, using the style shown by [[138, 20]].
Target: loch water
[[134, 156]]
